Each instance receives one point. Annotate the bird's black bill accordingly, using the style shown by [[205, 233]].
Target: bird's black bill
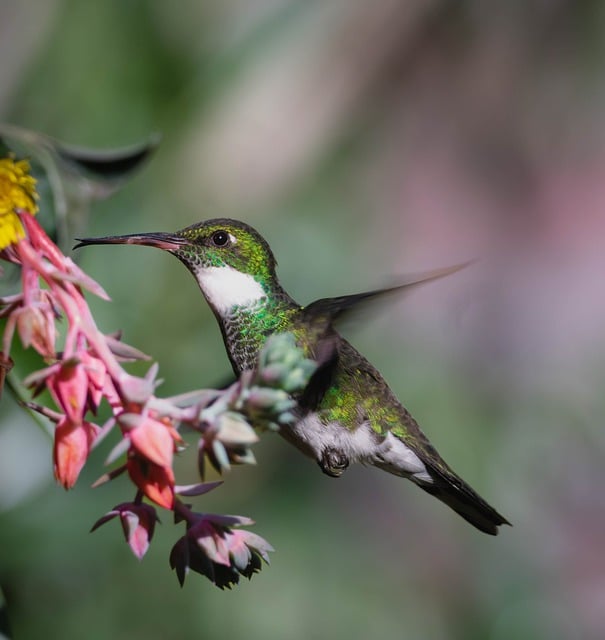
[[166, 241]]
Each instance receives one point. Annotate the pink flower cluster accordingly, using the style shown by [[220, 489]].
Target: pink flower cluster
[[213, 547], [86, 372]]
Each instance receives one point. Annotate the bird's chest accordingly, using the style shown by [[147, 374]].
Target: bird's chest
[[245, 333], [246, 329], [243, 347]]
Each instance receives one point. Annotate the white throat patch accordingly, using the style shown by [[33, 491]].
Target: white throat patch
[[225, 287]]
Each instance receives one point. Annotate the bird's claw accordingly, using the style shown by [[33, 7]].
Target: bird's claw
[[333, 463]]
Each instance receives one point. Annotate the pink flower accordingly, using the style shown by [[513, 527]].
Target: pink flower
[[73, 442], [68, 386], [36, 327], [155, 481], [96, 372], [87, 370], [138, 523], [212, 547], [150, 438]]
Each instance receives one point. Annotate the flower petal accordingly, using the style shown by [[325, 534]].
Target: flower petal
[[153, 441], [69, 388], [138, 523], [197, 489], [179, 559], [156, 482], [71, 448]]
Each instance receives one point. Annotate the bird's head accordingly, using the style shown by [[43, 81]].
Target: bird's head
[[231, 261]]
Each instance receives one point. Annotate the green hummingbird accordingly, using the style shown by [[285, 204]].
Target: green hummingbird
[[347, 413]]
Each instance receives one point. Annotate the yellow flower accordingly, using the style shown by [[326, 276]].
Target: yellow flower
[[17, 191]]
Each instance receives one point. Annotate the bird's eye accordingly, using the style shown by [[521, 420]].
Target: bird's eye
[[220, 238]]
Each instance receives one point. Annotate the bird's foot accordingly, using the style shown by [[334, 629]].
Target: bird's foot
[[333, 463]]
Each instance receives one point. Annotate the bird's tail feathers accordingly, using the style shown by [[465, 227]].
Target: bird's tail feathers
[[459, 496]]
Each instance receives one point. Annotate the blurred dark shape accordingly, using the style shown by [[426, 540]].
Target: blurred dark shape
[[72, 178], [5, 629]]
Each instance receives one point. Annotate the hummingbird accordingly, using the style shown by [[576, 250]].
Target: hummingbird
[[347, 413]]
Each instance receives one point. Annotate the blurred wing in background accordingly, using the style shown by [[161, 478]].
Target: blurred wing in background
[[72, 178]]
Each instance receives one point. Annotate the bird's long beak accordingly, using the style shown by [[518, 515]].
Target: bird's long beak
[[166, 241]]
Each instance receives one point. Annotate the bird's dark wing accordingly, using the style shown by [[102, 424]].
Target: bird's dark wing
[[328, 310], [108, 166], [326, 357], [320, 316]]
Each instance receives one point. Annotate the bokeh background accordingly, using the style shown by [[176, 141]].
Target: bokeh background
[[365, 140]]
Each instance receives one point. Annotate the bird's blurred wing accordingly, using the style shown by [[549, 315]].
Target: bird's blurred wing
[[329, 310]]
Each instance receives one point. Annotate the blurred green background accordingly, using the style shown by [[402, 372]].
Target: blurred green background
[[365, 140]]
